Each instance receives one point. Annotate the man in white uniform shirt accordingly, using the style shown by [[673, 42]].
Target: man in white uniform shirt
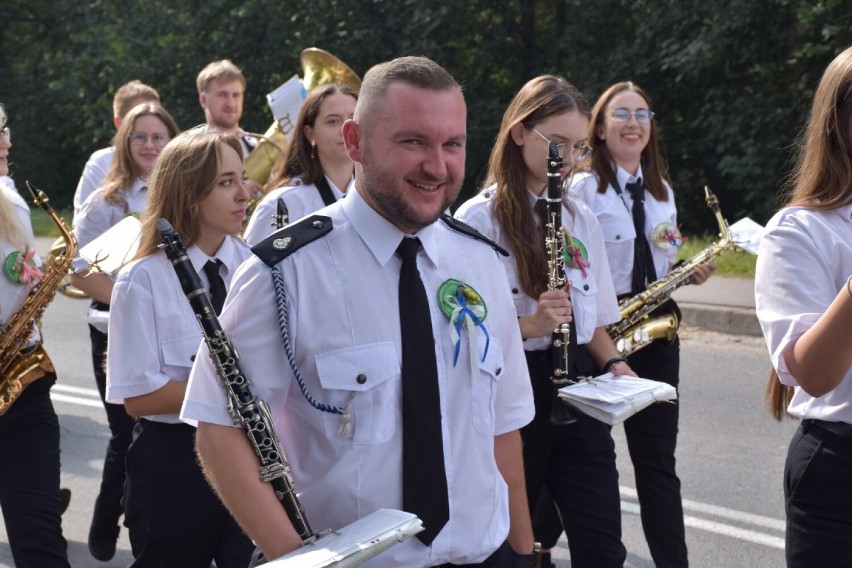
[[407, 139]]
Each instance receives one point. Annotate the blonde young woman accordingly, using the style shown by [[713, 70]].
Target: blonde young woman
[[173, 515], [29, 430], [315, 171], [803, 292], [143, 133]]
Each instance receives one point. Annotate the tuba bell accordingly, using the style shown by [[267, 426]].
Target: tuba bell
[[318, 68]]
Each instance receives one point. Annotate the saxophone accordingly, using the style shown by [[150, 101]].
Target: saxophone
[[18, 367], [636, 329]]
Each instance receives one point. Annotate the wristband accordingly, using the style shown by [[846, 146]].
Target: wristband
[[613, 361]]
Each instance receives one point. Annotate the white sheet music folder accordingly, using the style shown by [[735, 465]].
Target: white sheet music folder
[[612, 399], [115, 247], [355, 543]]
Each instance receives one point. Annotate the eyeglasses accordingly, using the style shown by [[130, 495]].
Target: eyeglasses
[[140, 139], [579, 151], [622, 115], [6, 134]]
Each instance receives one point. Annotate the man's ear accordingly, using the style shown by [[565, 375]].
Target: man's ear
[[353, 140], [202, 100]]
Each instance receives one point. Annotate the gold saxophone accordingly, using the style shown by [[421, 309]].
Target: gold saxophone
[[19, 367], [636, 329]]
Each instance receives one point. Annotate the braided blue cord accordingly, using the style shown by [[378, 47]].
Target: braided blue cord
[[281, 305]]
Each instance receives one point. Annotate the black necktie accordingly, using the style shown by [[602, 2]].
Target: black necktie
[[643, 262], [217, 285], [424, 479]]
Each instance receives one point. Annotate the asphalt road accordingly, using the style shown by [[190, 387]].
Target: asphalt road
[[730, 453]]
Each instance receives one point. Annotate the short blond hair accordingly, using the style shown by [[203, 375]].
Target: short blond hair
[[131, 94], [223, 71]]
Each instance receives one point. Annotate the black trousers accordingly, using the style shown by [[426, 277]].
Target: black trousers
[[108, 505], [29, 479], [651, 440], [503, 557], [576, 463], [818, 495], [175, 519]]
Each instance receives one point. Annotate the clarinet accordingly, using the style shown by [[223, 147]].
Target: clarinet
[[281, 217], [554, 241], [244, 407]]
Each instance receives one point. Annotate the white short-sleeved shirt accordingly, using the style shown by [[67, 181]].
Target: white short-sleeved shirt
[[615, 216], [592, 293], [344, 323], [99, 215], [804, 260], [300, 199], [153, 333], [8, 182], [12, 294], [94, 173]]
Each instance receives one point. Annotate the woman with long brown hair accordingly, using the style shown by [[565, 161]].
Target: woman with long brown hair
[[803, 293], [173, 515], [315, 171], [575, 462], [626, 185]]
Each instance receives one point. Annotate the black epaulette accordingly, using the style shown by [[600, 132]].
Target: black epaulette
[[287, 240], [465, 229]]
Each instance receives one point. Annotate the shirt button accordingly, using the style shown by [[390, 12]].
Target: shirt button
[[618, 237], [514, 290], [585, 287], [192, 358], [498, 371], [361, 379]]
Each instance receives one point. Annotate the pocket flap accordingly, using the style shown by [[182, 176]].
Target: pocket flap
[[358, 368], [180, 352]]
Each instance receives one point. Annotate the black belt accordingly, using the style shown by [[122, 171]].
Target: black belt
[[840, 430]]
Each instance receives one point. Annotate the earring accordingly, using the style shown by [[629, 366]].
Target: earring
[[313, 150]]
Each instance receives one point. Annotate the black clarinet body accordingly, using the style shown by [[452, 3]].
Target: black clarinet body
[[554, 240], [243, 406]]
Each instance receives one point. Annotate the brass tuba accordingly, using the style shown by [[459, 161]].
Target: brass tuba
[[20, 368], [318, 68]]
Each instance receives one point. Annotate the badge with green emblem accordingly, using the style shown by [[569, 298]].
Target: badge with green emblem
[[576, 255], [21, 268], [465, 309]]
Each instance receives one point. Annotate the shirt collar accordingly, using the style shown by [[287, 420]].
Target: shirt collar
[[227, 253], [380, 235], [138, 186], [624, 178]]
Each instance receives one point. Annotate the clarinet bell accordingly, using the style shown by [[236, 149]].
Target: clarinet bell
[[561, 413]]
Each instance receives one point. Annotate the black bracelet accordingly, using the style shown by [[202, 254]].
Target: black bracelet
[[613, 361]]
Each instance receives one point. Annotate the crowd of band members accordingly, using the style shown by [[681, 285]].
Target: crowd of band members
[[385, 164]]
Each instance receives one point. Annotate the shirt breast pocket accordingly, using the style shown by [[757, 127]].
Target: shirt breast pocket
[[484, 389], [584, 304], [180, 351], [365, 380]]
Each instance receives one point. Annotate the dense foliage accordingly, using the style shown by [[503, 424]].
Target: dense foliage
[[731, 79]]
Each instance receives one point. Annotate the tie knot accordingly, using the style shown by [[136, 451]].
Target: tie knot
[[407, 249], [211, 267], [636, 189]]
